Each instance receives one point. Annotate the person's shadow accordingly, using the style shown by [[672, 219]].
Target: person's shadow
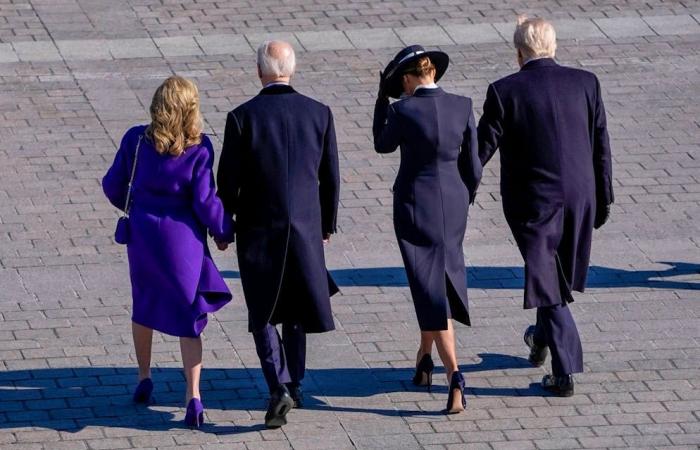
[[485, 277], [71, 399]]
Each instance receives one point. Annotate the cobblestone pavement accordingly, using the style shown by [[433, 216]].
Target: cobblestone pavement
[[74, 74]]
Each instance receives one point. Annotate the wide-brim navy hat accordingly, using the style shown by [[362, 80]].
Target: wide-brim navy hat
[[403, 59]]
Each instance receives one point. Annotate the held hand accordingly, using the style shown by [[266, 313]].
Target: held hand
[[326, 238], [601, 216], [221, 245]]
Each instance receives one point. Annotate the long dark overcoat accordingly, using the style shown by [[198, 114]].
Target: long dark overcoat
[[549, 122], [278, 175], [438, 175]]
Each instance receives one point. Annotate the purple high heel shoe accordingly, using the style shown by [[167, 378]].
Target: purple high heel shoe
[[143, 391], [195, 413]]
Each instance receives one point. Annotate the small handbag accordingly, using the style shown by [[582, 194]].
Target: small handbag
[[123, 232]]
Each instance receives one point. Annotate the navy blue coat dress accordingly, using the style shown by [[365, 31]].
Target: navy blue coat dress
[[278, 175], [436, 182], [549, 122]]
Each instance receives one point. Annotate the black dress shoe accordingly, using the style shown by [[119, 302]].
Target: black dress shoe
[[280, 404], [560, 386], [297, 395], [538, 355]]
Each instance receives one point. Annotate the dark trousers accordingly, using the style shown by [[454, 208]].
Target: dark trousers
[[556, 329], [282, 359]]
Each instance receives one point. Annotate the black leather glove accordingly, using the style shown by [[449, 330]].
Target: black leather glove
[[381, 94], [602, 214]]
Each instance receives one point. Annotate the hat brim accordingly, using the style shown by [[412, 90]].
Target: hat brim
[[394, 85]]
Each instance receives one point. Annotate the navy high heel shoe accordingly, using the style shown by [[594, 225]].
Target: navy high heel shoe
[[424, 372], [457, 387], [195, 413], [143, 391]]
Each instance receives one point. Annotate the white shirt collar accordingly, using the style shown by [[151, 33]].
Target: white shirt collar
[[425, 86], [275, 83]]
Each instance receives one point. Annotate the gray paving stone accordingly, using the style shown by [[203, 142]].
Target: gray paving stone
[[373, 38], [672, 25], [617, 27], [133, 48], [222, 44], [87, 49], [424, 35], [7, 54], [473, 34], [36, 51], [577, 29], [178, 46], [323, 40]]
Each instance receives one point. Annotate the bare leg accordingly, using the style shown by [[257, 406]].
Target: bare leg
[[445, 343], [191, 349], [143, 342], [426, 345]]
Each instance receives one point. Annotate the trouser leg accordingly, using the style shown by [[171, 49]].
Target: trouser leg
[[273, 362], [558, 328], [294, 342]]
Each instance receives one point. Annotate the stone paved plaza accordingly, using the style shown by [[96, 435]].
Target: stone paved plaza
[[75, 74]]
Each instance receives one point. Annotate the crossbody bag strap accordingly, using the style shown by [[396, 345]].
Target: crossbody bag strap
[[127, 205]]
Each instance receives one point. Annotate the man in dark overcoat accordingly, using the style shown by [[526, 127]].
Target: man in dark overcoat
[[556, 186], [278, 175]]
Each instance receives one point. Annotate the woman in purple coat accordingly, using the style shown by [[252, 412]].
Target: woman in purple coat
[[173, 203], [437, 180]]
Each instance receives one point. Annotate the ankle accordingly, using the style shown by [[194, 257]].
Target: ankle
[[144, 375]]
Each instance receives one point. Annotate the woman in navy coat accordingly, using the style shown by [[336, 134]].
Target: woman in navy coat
[[436, 182]]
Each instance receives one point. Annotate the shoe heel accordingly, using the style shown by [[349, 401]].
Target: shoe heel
[[143, 391], [194, 417], [457, 387]]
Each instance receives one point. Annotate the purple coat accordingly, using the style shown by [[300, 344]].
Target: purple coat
[[174, 281], [549, 122]]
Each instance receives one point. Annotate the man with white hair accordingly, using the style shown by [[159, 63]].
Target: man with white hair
[[556, 186], [278, 175]]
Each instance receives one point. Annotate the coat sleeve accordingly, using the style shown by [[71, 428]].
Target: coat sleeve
[[490, 127], [468, 161], [116, 181], [602, 159], [228, 177], [207, 206], [329, 179], [385, 127]]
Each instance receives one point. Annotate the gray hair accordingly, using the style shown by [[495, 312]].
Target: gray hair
[[535, 38], [276, 58]]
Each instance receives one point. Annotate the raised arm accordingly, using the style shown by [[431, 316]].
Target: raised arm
[[385, 126], [469, 164], [206, 204], [490, 127], [329, 180]]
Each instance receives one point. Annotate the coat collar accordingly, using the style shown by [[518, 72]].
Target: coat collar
[[537, 63], [276, 89], [429, 92]]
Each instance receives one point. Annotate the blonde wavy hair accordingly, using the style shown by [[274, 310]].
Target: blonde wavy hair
[[176, 122]]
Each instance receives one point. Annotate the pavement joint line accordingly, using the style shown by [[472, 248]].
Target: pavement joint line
[[332, 40]]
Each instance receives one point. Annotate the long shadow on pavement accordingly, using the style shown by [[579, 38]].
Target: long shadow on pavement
[[70, 399], [507, 277]]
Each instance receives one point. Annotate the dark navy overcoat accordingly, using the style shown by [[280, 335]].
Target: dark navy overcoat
[[278, 175], [549, 122], [437, 178]]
